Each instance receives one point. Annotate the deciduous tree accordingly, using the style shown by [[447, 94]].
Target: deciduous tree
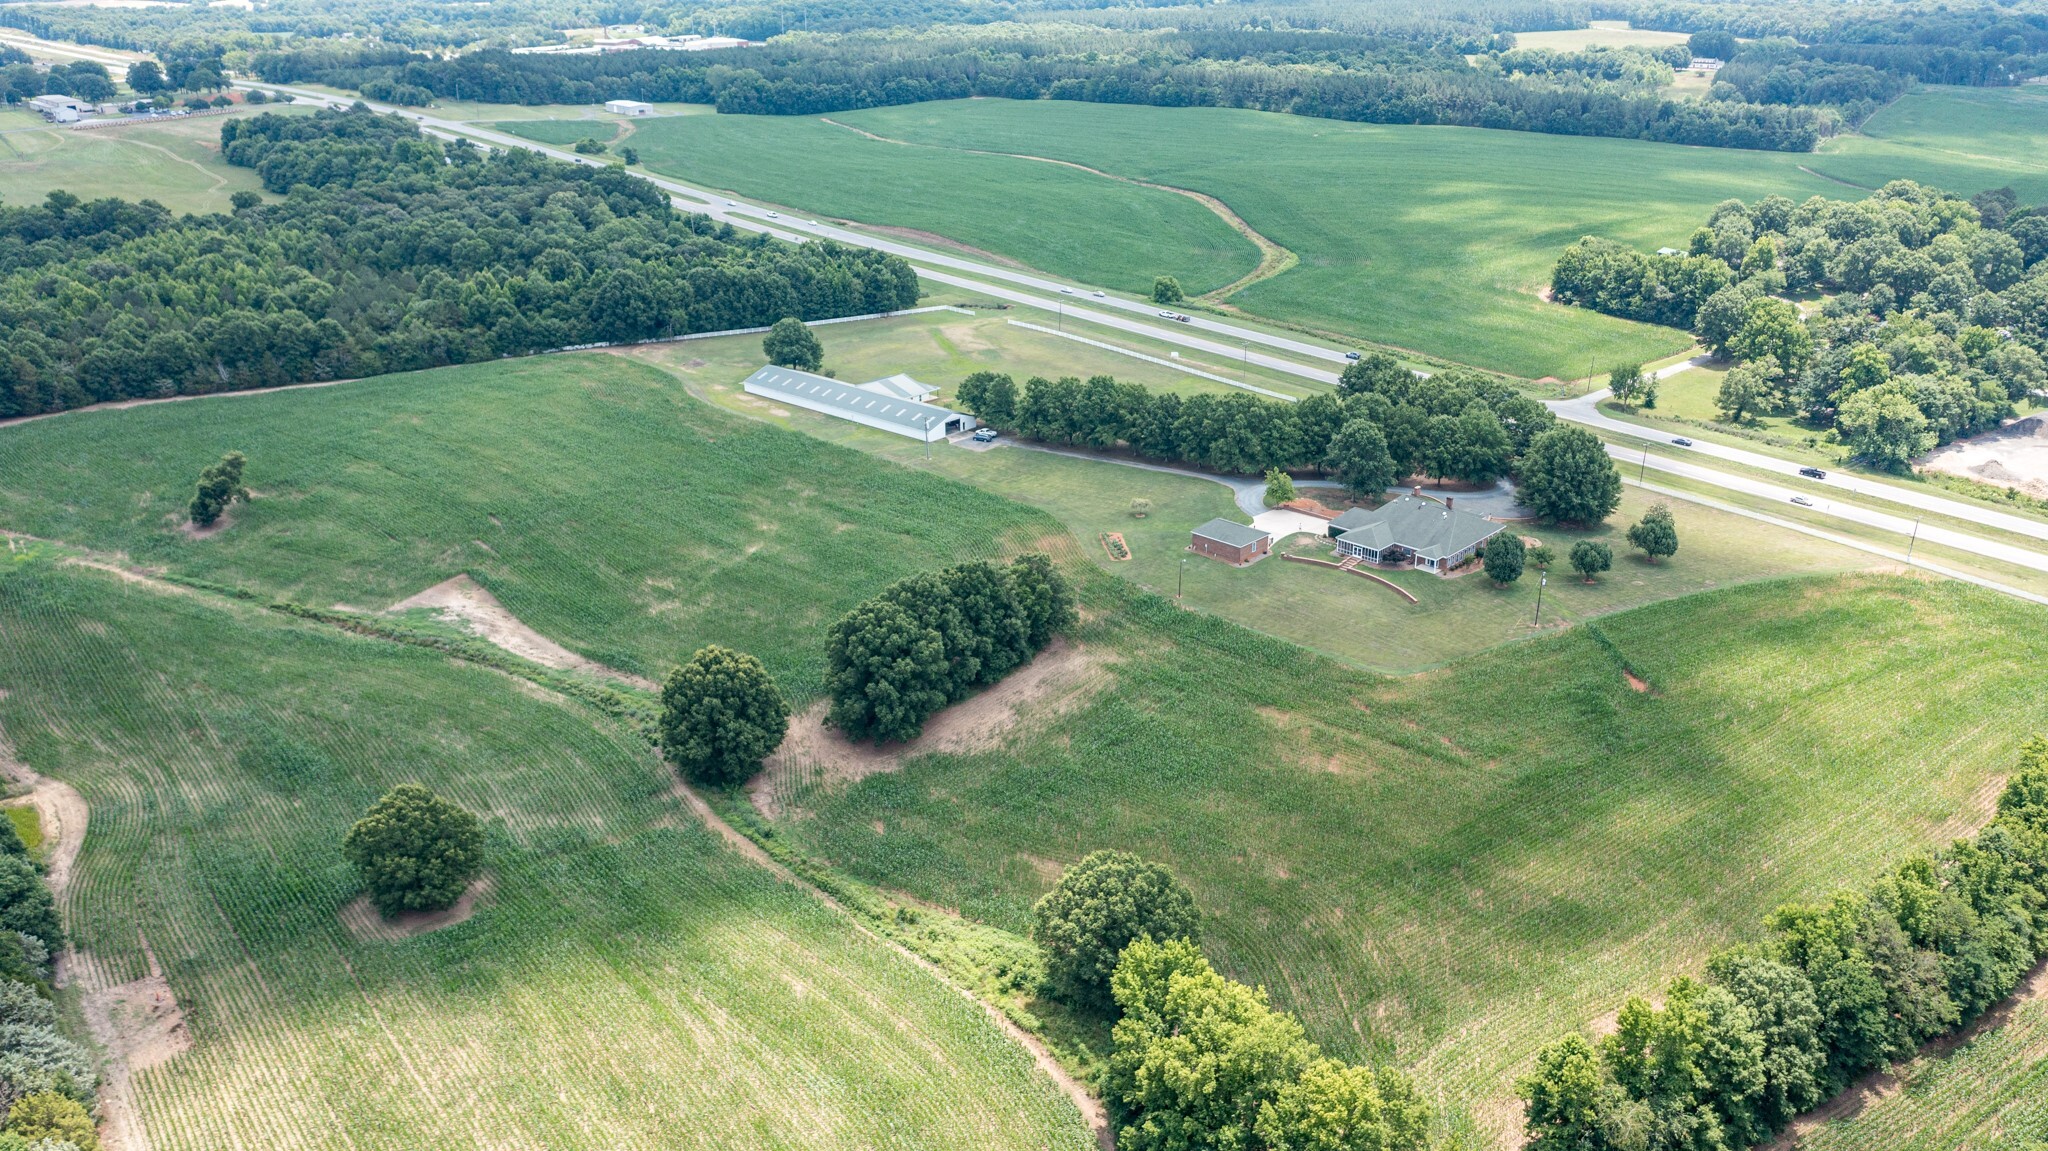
[[1359, 458], [1590, 558], [1568, 477], [1656, 533], [1503, 557], [1166, 290], [1098, 908], [791, 344], [1279, 487], [415, 850], [220, 484], [721, 715]]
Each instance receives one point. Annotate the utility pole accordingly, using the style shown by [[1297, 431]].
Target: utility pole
[[1542, 581], [1245, 365], [1644, 466], [1179, 579], [1913, 541], [927, 438]]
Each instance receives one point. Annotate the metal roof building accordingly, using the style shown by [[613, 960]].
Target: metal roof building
[[876, 410]]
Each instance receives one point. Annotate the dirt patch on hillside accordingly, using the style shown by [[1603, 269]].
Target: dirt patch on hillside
[[1063, 677], [192, 531], [139, 1025], [2014, 456], [463, 601], [364, 923], [61, 808], [1636, 683], [934, 240]]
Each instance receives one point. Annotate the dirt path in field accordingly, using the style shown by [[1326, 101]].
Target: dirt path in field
[[462, 600], [1273, 258], [137, 1024], [1062, 677]]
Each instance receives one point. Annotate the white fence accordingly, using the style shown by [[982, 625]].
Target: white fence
[[1136, 355]]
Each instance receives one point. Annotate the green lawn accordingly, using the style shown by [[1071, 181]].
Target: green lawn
[[1448, 870], [600, 502], [562, 133], [28, 824], [630, 983], [176, 163]]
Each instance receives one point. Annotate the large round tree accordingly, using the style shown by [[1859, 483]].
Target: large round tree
[[721, 714], [415, 850], [791, 344], [1097, 909], [1568, 478]]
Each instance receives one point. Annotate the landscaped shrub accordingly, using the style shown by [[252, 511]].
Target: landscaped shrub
[[415, 850], [721, 715], [1838, 988], [932, 639], [1099, 906]]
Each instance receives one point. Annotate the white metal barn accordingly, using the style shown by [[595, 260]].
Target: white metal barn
[[629, 108], [862, 405]]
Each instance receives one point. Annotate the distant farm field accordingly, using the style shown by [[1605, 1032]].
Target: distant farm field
[[1436, 239], [562, 133], [592, 494], [1448, 870], [627, 982], [175, 162]]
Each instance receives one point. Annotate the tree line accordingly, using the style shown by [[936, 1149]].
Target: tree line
[[1339, 78], [1935, 325], [1925, 40], [387, 251], [1837, 988], [47, 1082]]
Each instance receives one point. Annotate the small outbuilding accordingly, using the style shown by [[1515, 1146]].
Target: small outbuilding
[[628, 108], [1231, 542], [1412, 530], [1706, 64], [62, 109]]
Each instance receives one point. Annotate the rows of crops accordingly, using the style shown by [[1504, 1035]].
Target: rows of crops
[[606, 507], [629, 984], [1449, 870]]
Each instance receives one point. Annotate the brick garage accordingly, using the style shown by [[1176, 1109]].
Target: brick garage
[[1231, 542]]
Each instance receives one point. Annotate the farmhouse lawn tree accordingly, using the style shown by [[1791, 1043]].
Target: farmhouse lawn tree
[[1279, 487], [790, 344], [1590, 558], [1359, 458], [1503, 557], [721, 715], [1567, 477], [220, 484], [1099, 907], [415, 850], [1626, 382], [1656, 533]]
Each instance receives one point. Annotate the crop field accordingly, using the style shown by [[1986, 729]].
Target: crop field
[[1049, 216], [1962, 139], [1450, 869], [1602, 33], [591, 494], [1435, 239], [176, 163], [625, 964]]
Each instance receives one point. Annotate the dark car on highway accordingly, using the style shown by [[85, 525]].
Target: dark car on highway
[[1813, 473]]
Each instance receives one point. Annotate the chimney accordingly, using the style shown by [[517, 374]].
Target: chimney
[[1416, 490], [1448, 501]]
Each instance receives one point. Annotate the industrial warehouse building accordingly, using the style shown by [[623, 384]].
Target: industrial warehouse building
[[880, 404]]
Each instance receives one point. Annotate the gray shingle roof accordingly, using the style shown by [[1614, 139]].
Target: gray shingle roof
[[1426, 527], [1230, 532]]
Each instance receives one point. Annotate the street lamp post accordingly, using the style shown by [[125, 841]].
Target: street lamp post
[[1913, 541]]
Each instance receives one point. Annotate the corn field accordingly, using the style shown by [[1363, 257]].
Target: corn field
[[630, 983]]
